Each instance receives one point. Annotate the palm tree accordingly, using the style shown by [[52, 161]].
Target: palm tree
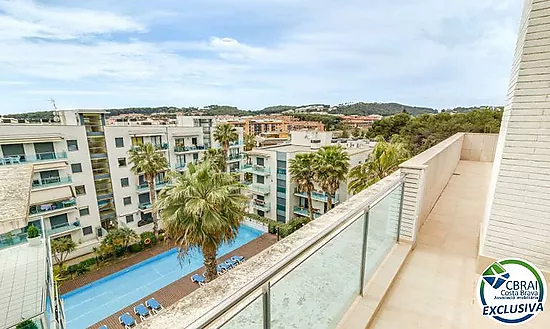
[[331, 165], [61, 248], [302, 174], [384, 159], [202, 209], [215, 158], [124, 236], [249, 142], [146, 160], [225, 134]]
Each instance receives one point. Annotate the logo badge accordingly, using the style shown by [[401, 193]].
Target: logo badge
[[511, 291]]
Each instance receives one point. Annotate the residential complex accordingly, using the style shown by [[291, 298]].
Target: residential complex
[[268, 179], [360, 121], [82, 183]]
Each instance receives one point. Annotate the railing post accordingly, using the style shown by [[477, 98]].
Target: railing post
[[364, 251], [400, 211], [266, 297]]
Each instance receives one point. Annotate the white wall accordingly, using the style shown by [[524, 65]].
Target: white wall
[[517, 219]]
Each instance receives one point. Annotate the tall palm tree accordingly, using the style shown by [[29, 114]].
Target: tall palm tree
[[202, 209], [331, 165], [302, 174], [146, 160], [249, 142], [224, 134], [215, 158], [384, 159]]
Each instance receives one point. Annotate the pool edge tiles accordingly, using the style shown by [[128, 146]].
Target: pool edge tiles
[[106, 291]]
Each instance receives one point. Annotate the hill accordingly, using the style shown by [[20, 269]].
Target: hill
[[384, 109]]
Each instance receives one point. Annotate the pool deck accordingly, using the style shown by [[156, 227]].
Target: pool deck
[[169, 294]]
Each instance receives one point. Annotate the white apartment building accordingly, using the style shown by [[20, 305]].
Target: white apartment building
[[274, 195], [82, 182]]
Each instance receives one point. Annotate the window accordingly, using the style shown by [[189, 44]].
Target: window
[[281, 201], [259, 179], [194, 141], [281, 207], [76, 168], [260, 161], [122, 162], [127, 200], [72, 145], [84, 211], [119, 142], [281, 164], [129, 218], [80, 190], [124, 182], [261, 213], [87, 230]]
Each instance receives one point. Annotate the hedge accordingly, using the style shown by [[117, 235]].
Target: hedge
[[285, 229]]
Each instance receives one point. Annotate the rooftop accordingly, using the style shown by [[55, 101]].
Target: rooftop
[[15, 191], [22, 283]]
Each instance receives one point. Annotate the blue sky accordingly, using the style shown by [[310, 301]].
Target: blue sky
[[254, 53]]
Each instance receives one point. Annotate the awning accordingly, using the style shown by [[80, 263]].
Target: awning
[[147, 132], [59, 164], [47, 195], [35, 138], [15, 193]]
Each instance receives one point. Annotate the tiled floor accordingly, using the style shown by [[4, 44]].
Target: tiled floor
[[174, 291], [435, 288]]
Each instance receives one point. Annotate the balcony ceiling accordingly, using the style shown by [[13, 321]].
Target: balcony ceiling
[[15, 191], [55, 193]]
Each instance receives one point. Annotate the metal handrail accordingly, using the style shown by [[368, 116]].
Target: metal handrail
[[309, 248]]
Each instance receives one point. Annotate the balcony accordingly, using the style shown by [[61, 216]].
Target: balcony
[[181, 166], [39, 157], [256, 169], [162, 146], [63, 228], [105, 215], [256, 188], [190, 149], [145, 187], [261, 205], [319, 196], [143, 206], [52, 207], [301, 211], [236, 144], [94, 133], [235, 157], [12, 239], [51, 182], [361, 259]]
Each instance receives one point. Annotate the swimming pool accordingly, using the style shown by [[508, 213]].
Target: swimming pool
[[91, 303]]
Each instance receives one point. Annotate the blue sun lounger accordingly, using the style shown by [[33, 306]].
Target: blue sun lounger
[[198, 279], [230, 263], [141, 311], [237, 259], [222, 268], [127, 320], [153, 305], [103, 327]]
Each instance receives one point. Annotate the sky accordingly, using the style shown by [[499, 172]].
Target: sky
[[254, 53]]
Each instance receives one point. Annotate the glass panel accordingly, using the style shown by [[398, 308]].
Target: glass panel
[[382, 230], [250, 317], [318, 292]]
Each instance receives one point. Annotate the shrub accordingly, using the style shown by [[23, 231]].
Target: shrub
[[148, 236], [78, 269], [161, 236], [32, 232], [27, 324], [136, 247]]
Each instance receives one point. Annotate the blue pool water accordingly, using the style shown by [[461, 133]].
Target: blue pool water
[[97, 300]]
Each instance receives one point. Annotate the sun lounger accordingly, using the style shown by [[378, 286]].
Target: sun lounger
[[141, 311], [153, 305], [198, 279], [237, 259], [127, 320]]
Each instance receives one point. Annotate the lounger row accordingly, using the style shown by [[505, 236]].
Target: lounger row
[[222, 268], [151, 307]]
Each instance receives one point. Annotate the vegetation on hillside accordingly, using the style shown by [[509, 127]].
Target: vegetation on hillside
[[384, 109], [331, 122]]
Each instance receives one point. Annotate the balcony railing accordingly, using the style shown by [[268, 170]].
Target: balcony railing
[[305, 212], [38, 157], [144, 205], [51, 181], [256, 169], [145, 186], [181, 166], [340, 251], [319, 196], [60, 228], [181, 148], [235, 157], [162, 146], [257, 188], [12, 239], [236, 144], [261, 205], [40, 209]]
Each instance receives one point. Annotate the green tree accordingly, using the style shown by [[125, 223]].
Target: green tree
[[123, 237], [145, 159], [225, 134], [202, 209], [389, 126], [249, 142], [216, 159], [61, 248], [331, 165], [384, 159], [301, 173]]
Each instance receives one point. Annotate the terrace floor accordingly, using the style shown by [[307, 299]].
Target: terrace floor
[[436, 286], [172, 292]]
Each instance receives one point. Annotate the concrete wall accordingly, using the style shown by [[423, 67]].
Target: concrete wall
[[517, 218], [479, 147]]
